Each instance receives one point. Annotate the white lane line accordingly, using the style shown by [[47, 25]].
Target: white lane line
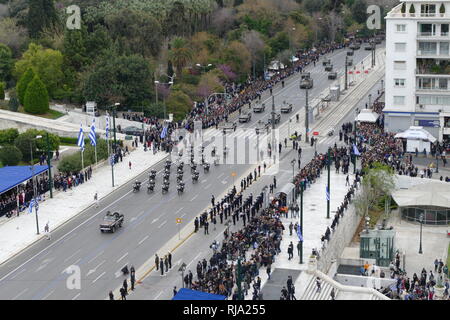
[[224, 181], [68, 238], [23, 270], [122, 257], [21, 293], [72, 255], [95, 269], [195, 197], [63, 237], [103, 273], [208, 186], [145, 238], [48, 295], [183, 215], [96, 256], [194, 258], [162, 224], [154, 220], [76, 296], [158, 295], [203, 181], [179, 210]]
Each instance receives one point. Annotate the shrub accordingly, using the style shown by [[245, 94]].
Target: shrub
[[10, 155], [36, 97], [22, 85], [2, 90], [72, 163]]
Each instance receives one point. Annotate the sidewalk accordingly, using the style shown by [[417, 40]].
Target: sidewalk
[[20, 232]]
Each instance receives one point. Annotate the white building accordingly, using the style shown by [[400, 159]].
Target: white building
[[418, 67]]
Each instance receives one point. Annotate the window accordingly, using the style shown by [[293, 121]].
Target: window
[[427, 48], [400, 46], [399, 65], [428, 10], [399, 83], [444, 30], [434, 100], [399, 100], [400, 27], [443, 50]]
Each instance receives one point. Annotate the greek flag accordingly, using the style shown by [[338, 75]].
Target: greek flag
[[107, 126], [299, 233], [80, 142], [355, 150], [164, 132], [31, 205], [92, 134], [327, 193]]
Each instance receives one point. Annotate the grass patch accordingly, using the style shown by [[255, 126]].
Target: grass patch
[[51, 114]]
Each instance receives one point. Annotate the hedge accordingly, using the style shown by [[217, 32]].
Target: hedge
[[72, 163]]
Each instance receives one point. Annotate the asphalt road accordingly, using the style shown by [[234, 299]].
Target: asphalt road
[[39, 271]]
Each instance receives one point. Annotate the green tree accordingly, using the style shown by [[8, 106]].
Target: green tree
[[10, 155], [28, 138], [8, 136], [46, 63], [124, 79], [13, 104], [36, 97], [6, 62], [41, 14], [74, 48], [179, 104], [22, 85], [279, 43], [359, 11], [2, 90], [180, 53]]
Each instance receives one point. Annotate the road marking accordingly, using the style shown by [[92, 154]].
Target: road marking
[[195, 197], [95, 269], [48, 295], [220, 175], [40, 267], [76, 296], [179, 210], [23, 270], [62, 238], [224, 181], [154, 220], [72, 255], [68, 238], [183, 215], [145, 238], [158, 295], [162, 224], [96, 256], [103, 273], [122, 257], [208, 186], [21, 293], [194, 259], [203, 181]]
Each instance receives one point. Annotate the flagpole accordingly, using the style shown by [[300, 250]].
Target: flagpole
[[82, 159]]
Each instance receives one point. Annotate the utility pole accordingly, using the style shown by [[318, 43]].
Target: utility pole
[[346, 71], [49, 159], [329, 189], [301, 221], [307, 118]]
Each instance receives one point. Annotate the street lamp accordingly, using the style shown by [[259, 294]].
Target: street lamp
[[36, 206], [181, 270], [169, 83], [293, 161], [421, 222], [114, 107]]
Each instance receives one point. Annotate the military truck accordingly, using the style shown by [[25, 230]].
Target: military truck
[[245, 116], [306, 81], [286, 107], [111, 222], [259, 108], [329, 67], [332, 75], [228, 126]]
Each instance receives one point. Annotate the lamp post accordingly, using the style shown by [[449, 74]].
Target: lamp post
[[169, 83], [328, 187], [306, 117], [36, 206], [346, 72], [370, 101], [115, 140], [181, 270], [49, 159], [301, 221], [293, 161], [421, 222]]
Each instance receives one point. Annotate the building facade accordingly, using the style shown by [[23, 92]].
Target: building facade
[[418, 67]]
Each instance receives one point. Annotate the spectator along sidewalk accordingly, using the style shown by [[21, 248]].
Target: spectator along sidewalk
[[20, 232]]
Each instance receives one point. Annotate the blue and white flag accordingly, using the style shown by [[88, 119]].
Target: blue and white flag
[[92, 136], [327, 193], [80, 142], [107, 126], [164, 132], [31, 205], [355, 150], [299, 233]]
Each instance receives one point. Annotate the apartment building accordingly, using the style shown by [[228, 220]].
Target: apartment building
[[418, 67]]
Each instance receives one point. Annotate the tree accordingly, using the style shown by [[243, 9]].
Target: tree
[[41, 14], [255, 45], [36, 97], [12, 34], [8, 136], [335, 23], [10, 155], [6, 62], [13, 104], [46, 63], [279, 43], [359, 8], [2, 90], [124, 79], [180, 53], [179, 104], [22, 85], [237, 57]]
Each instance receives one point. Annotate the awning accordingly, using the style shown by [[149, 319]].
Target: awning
[[188, 294], [434, 193], [287, 189], [276, 65], [416, 133], [15, 175], [367, 115]]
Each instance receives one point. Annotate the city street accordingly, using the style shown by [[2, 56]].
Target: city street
[[150, 219]]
